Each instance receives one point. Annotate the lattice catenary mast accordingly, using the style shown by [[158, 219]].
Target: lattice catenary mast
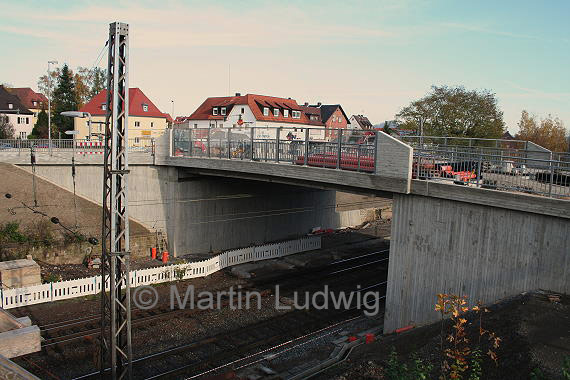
[[116, 351]]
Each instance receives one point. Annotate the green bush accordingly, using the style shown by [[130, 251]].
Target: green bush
[[396, 370]]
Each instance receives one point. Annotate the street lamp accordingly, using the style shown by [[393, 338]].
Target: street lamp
[[79, 115], [49, 101]]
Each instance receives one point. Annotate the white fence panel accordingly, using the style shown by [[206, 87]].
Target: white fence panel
[[63, 290], [151, 276], [26, 296], [240, 256], [92, 285]]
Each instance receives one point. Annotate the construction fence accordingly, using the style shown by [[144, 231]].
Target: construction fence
[[62, 290]]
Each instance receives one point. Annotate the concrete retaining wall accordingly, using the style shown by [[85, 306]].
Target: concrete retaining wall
[[537, 152], [487, 253]]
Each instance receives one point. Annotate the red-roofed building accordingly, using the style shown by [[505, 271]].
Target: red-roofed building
[[255, 111], [146, 121], [34, 101]]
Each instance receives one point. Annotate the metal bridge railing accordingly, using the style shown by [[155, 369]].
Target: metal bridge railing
[[328, 148], [493, 169], [81, 145]]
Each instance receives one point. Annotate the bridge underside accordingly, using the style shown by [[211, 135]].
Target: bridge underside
[[205, 211]]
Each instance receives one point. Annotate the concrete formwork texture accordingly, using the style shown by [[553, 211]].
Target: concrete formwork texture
[[486, 253]]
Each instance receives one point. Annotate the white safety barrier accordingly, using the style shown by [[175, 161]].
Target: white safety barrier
[[62, 290], [90, 147]]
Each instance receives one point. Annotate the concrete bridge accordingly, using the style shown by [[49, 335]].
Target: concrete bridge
[[473, 219]]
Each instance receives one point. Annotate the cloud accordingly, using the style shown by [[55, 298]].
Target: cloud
[[529, 93], [487, 30], [183, 26]]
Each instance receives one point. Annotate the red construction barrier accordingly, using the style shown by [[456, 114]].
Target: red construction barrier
[[347, 161], [165, 256], [90, 147], [402, 329], [153, 253]]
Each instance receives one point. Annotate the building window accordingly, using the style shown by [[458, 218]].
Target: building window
[[137, 140], [242, 110], [22, 135], [27, 120], [152, 124], [214, 111], [276, 112], [195, 125], [285, 113], [10, 106], [296, 114], [223, 111], [145, 107], [265, 111], [137, 123], [104, 106], [35, 103]]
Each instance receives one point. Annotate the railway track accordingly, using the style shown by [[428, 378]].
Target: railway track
[[75, 338], [76, 329], [212, 354]]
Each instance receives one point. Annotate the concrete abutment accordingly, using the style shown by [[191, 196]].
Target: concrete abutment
[[487, 253]]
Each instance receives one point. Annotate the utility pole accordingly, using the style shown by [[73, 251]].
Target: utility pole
[[33, 162], [49, 102], [116, 350]]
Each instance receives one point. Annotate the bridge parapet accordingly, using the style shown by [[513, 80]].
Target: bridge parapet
[[394, 159], [368, 153]]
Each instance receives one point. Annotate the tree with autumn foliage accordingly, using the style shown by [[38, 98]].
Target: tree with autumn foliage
[[548, 132]]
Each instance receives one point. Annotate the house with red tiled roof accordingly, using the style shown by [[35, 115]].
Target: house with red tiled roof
[[146, 121], [257, 111], [34, 101]]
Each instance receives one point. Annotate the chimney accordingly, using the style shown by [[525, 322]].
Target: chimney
[[306, 104], [319, 104], [238, 94]]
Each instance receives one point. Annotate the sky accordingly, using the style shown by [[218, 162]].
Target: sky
[[372, 57]]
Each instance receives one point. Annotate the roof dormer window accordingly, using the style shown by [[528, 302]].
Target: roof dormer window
[[276, 112], [145, 107], [10, 106], [223, 111], [285, 113], [265, 111], [35, 103], [296, 114], [103, 106], [215, 111]]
